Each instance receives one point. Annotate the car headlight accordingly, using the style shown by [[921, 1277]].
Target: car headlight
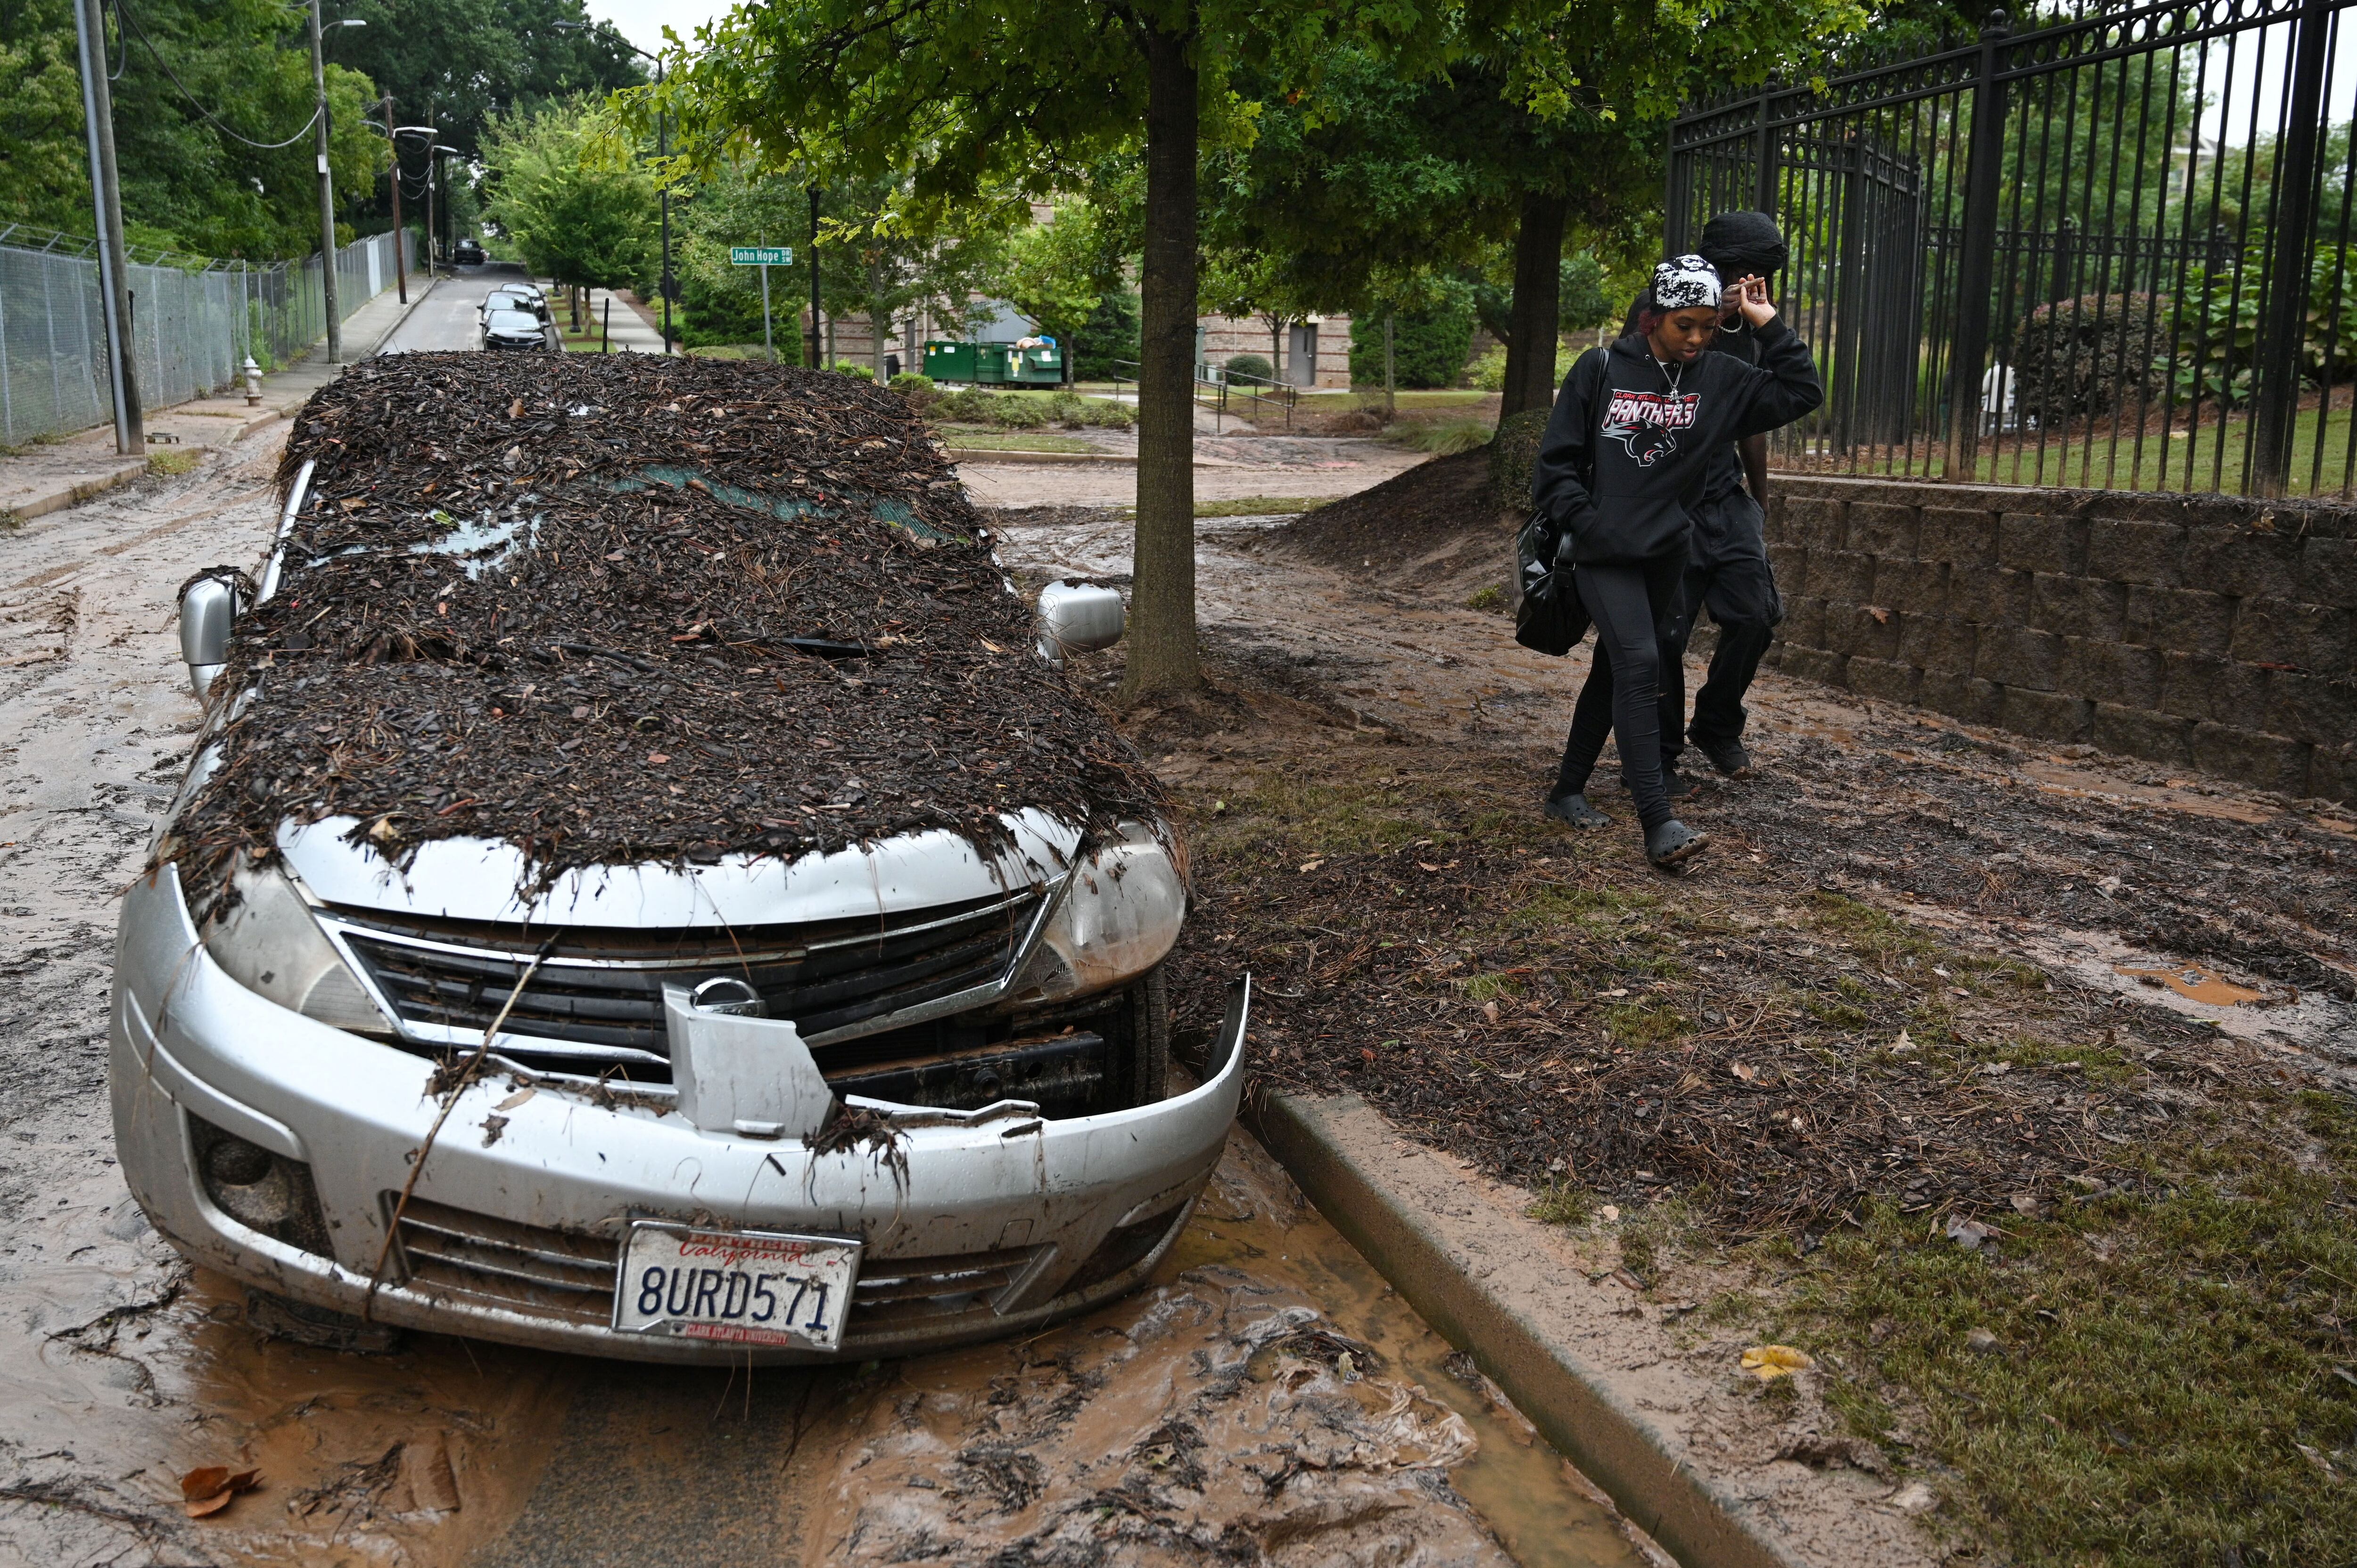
[[262, 934], [1118, 917]]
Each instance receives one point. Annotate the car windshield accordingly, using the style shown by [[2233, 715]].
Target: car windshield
[[508, 320]]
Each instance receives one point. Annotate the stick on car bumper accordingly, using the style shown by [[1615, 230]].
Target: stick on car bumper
[[272, 1147]]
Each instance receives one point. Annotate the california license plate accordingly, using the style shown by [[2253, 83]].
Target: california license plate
[[750, 1287]]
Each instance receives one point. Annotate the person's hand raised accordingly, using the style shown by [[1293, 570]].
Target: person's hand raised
[[1755, 305]]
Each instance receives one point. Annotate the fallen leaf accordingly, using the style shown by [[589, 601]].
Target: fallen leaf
[[1770, 1362], [2316, 1459], [1308, 866], [1745, 1072], [2024, 1202], [1981, 1342], [1420, 866], [1611, 1212], [518, 1098], [992, 646], [1882, 617], [1902, 1043], [1966, 1233], [203, 1483], [1618, 990], [1489, 1011], [201, 1507], [656, 758], [515, 409]]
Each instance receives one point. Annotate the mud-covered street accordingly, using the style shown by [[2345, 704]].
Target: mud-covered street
[[1266, 1398]]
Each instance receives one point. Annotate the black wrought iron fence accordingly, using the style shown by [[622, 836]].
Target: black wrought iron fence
[[2110, 251]]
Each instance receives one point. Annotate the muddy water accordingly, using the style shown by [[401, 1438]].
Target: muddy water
[[1263, 1393]]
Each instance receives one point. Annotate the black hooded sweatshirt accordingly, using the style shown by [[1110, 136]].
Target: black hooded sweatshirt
[[1628, 496]]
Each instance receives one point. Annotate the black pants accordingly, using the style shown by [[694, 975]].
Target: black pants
[[1637, 610], [1740, 594]]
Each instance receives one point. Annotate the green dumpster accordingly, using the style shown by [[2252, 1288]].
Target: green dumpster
[[994, 364]]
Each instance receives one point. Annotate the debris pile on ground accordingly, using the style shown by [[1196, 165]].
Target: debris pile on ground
[[622, 609], [1428, 531]]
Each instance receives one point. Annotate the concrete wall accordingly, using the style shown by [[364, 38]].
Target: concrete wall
[[2210, 632], [1224, 337]]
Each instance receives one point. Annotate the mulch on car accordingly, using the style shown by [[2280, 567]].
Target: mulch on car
[[630, 608]]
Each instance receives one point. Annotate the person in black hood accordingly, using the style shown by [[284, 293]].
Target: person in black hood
[[1625, 457], [1727, 573]]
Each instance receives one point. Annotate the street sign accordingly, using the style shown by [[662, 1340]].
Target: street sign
[[760, 255]]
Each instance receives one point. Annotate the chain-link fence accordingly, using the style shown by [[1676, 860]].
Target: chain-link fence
[[192, 329]]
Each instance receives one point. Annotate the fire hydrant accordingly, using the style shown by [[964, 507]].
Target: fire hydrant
[[252, 383]]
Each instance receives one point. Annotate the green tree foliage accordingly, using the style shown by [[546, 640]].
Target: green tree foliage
[[1056, 274], [985, 102], [188, 184], [463, 64], [573, 217], [1108, 339]]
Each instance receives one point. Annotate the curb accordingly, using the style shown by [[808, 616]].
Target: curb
[[1619, 1447], [984, 456]]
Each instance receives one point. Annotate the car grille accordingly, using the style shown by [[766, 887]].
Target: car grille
[[596, 1001], [475, 1259]]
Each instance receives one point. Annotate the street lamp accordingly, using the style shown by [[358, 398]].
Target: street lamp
[[669, 285]]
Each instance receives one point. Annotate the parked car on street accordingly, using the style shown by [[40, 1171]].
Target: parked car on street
[[513, 329], [468, 253], [522, 296], [647, 886]]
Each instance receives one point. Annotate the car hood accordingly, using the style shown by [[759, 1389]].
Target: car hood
[[489, 879]]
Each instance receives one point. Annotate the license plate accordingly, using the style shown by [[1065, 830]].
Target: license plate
[[749, 1287]]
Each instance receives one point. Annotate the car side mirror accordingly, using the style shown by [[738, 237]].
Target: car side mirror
[[1077, 617], [207, 615]]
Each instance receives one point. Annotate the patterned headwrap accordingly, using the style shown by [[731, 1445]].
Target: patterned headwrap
[[1683, 282]]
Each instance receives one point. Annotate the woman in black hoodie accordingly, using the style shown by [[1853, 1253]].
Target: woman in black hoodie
[[1624, 459]]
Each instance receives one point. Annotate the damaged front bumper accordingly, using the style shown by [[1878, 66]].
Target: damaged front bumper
[[274, 1148]]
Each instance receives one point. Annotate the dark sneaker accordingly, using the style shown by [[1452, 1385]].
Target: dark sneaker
[[1727, 755], [1675, 783], [1673, 842], [1573, 808]]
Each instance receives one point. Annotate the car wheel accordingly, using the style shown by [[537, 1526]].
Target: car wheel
[[1149, 1039]]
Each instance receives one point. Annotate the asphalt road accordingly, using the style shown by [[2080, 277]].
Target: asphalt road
[[445, 318]]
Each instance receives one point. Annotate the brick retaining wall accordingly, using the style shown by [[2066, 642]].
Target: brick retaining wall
[[2211, 633]]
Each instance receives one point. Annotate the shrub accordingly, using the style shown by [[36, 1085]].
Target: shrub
[[2089, 355], [1489, 371], [1428, 348], [854, 368], [1442, 438], [1251, 365], [918, 389], [1077, 412], [1019, 412], [1110, 334], [969, 405]]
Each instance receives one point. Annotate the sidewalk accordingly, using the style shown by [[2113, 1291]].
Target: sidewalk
[[50, 475], [631, 329]]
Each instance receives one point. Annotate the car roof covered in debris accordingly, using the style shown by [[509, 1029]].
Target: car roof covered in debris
[[621, 608]]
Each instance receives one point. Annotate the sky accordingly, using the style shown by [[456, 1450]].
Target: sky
[[642, 21]]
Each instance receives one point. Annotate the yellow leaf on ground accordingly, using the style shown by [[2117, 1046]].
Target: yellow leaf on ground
[[1768, 1362]]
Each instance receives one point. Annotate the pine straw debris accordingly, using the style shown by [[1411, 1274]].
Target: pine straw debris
[[1779, 1057], [625, 608]]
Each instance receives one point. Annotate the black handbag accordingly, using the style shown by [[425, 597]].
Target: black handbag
[[1550, 619]]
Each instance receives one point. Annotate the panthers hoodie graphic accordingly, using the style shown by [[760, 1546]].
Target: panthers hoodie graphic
[[1647, 423], [1626, 454]]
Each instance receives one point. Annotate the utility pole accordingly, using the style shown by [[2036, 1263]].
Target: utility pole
[[327, 198], [816, 362], [113, 279], [392, 144]]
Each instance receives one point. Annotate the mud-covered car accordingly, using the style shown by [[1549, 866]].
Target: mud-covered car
[[645, 885]]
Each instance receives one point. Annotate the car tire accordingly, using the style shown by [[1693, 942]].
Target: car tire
[[1149, 1039]]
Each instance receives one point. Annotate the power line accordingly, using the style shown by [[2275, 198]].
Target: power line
[[123, 11]]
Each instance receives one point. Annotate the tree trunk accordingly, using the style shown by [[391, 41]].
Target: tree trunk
[[1538, 285], [1162, 650]]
